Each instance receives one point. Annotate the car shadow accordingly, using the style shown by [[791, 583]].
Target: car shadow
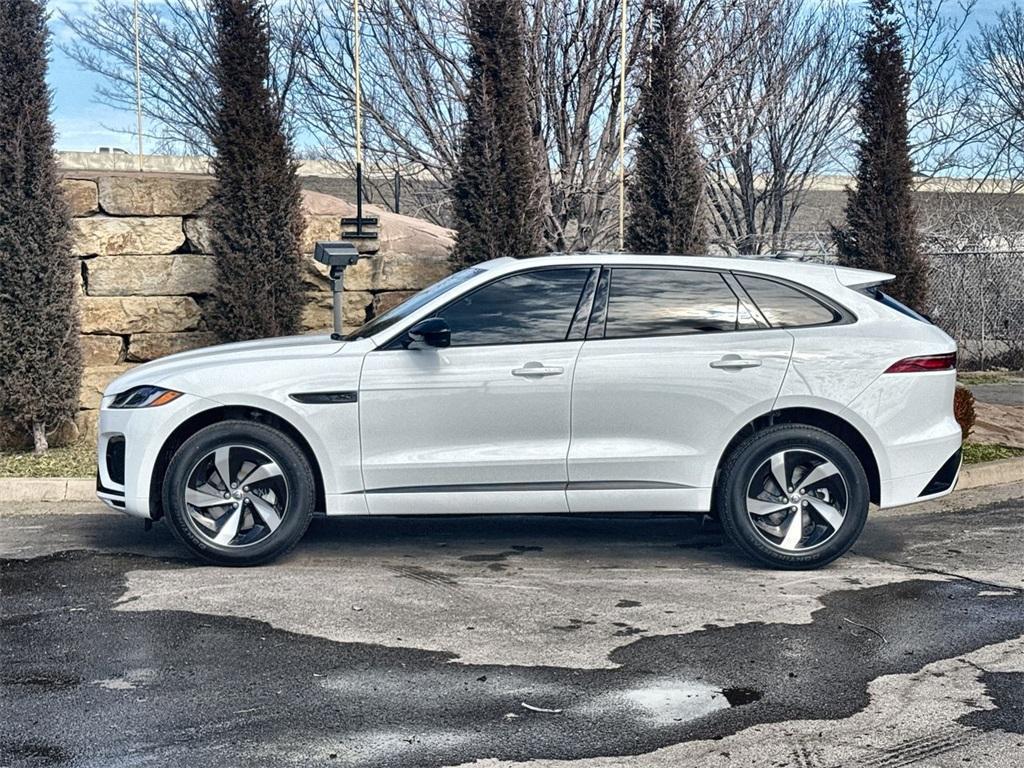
[[621, 538], [493, 538]]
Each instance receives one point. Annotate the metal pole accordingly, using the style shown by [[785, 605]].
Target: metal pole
[[398, 192], [359, 198], [622, 129], [338, 299], [359, 119], [138, 83]]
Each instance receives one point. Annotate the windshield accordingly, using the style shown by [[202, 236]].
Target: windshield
[[410, 305]]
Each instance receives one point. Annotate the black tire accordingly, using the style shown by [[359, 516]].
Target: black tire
[[248, 439], [746, 466]]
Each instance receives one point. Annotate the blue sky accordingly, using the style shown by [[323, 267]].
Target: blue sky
[[84, 124]]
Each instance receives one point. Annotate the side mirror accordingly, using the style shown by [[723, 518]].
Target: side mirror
[[434, 332]]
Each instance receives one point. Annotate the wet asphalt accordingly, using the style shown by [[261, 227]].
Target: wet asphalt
[[495, 641]]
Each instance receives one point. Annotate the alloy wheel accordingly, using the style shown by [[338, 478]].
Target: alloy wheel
[[797, 499], [236, 496]]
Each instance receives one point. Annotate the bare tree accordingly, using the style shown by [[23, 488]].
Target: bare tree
[[414, 79], [778, 123], [176, 45], [413, 87], [575, 55], [994, 66], [414, 76], [941, 131]]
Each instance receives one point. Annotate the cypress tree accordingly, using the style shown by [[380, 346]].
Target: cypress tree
[[40, 357], [880, 231], [256, 213], [495, 191], [666, 191]]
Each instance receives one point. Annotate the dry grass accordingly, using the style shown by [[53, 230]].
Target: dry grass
[[74, 461], [975, 453]]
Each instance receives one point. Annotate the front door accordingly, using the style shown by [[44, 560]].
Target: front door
[[482, 425]]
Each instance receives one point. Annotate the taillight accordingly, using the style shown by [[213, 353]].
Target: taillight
[[924, 363]]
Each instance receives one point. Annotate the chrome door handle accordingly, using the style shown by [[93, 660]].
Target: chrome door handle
[[537, 369], [735, 362]]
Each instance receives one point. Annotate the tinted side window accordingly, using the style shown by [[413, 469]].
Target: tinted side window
[[663, 302], [783, 306], [884, 298], [526, 307]]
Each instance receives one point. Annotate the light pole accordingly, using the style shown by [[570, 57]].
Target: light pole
[[622, 128], [138, 82]]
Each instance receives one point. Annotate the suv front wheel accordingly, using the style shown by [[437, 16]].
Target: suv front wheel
[[793, 496], [239, 493]]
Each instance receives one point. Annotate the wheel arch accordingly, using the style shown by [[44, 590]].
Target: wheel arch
[[205, 418], [813, 417]]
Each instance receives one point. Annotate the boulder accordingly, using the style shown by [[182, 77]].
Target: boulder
[[409, 253], [397, 272], [146, 195], [408, 236], [199, 234], [82, 196], [111, 236], [319, 227], [382, 302], [318, 316], [101, 350], [171, 275], [88, 423], [150, 346], [139, 314], [322, 214], [94, 381]]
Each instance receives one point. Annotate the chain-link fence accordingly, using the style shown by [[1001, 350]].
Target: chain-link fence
[[978, 298]]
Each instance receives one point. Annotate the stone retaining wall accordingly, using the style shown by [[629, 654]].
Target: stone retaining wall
[[147, 278]]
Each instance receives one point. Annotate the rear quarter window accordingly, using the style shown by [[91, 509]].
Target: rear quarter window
[[785, 306], [883, 298]]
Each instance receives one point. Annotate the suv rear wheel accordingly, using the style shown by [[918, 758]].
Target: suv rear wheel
[[793, 496], [239, 493]]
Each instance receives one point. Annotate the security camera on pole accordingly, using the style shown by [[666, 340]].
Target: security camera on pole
[[338, 256]]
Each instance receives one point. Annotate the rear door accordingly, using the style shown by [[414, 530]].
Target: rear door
[[674, 364]]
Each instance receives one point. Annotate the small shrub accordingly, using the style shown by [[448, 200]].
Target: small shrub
[[963, 409]]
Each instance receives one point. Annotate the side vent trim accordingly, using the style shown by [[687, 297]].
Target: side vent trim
[[324, 398]]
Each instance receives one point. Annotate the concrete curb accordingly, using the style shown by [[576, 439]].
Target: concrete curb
[[31, 489], [991, 473]]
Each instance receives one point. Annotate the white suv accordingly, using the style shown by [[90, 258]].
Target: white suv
[[782, 397]]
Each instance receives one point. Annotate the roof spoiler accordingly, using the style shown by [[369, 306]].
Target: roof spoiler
[[861, 278]]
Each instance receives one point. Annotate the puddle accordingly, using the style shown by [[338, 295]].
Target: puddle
[[497, 557], [740, 697], [669, 703], [428, 708], [43, 681], [37, 753]]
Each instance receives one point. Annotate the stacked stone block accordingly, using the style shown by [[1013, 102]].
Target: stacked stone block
[[143, 241]]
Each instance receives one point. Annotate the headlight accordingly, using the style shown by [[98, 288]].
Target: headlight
[[144, 397]]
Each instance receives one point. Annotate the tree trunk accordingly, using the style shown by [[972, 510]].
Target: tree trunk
[[39, 438]]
